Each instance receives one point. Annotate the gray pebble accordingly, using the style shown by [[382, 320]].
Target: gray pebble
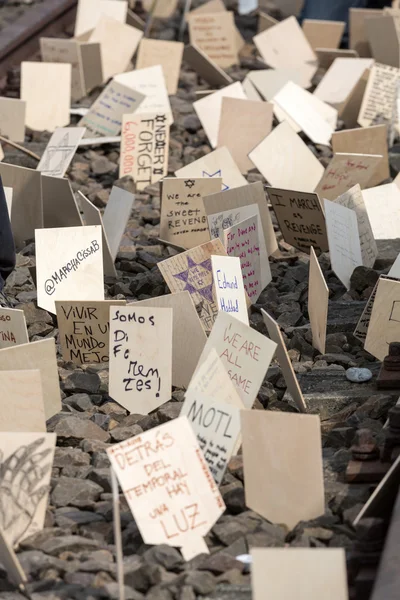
[[357, 375]]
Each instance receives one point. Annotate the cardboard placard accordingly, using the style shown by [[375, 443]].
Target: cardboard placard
[[340, 80], [145, 148], [252, 118], [217, 428], [60, 151], [318, 296], [323, 34], [215, 164], [73, 270], [24, 408], [12, 328], [85, 330], [300, 217], [215, 35], [105, 114], [344, 240], [358, 38], [59, 205], [295, 491], [54, 50], [315, 573], [229, 288], [206, 68], [286, 161], [188, 337], [243, 240], [384, 325], [380, 95], [164, 53], [90, 11], [47, 105], [245, 353], [183, 217], [191, 271], [353, 199], [382, 205], [116, 217], [118, 42], [161, 473], [12, 119], [346, 170], [208, 109], [140, 357], [9, 560], [326, 56]]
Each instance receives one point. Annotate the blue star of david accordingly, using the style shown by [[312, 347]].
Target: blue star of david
[[207, 291], [216, 174]]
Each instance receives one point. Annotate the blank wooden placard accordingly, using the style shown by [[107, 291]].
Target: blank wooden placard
[[22, 408], [252, 118], [47, 104], [116, 217], [90, 11], [383, 39], [215, 164], [269, 81], [12, 328], [326, 56], [283, 474], [285, 160], [326, 34], [358, 38], [188, 337], [351, 107], [215, 34], [27, 207], [380, 95], [340, 80], [12, 119], [206, 68], [37, 356], [285, 364], [59, 205], [382, 205], [250, 90], [318, 296], [91, 64], [315, 573], [164, 53], [60, 50], [346, 170], [229, 288], [265, 21], [162, 10], [60, 151], [384, 325]]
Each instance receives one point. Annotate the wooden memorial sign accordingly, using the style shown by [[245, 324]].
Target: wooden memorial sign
[[346, 170], [85, 330], [60, 151], [286, 161], [26, 458], [205, 67], [191, 271], [90, 11], [341, 79], [105, 115], [282, 356], [361, 329], [380, 96], [116, 217], [358, 38], [60, 208], [47, 105], [323, 34], [265, 21], [188, 337], [23, 409], [215, 164], [344, 240], [268, 82], [12, 119], [250, 90], [215, 35], [168, 486], [12, 328], [10, 562], [318, 296], [252, 118], [217, 6], [183, 217], [326, 56], [144, 148], [162, 10], [384, 325], [245, 353], [164, 53], [73, 270], [382, 205], [140, 357], [229, 288], [383, 38], [301, 218], [299, 478]]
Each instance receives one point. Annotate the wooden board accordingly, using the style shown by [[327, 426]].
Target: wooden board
[[383, 38], [318, 296], [92, 66], [73, 270], [351, 107], [283, 473], [60, 151], [380, 96], [162, 10], [285, 160], [164, 53], [206, 68], [215, 35], [22, 408], [37, 356], [384, 325], [357, 29], [326, 56], [217, 6], [340, 80], [188, 337], [229, 288], [326, 34], [269, 81], [361, 329], [59, 205], [47, 105], [252, 118], [265, 21], [11, 563], [12, 119], [215, 164], [90, 11], [346, 170], [116, 217], [12, 328], [84, 330], [183, 216], [344, 240], [191, 271], [250, 90], [59, 50], [285, 364], [382, 205]]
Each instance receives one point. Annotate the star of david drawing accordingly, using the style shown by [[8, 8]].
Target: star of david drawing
[[57, 153], [189, 183], [217, 174], [193, 276]]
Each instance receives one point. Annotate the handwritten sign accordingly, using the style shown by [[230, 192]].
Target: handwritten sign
[[243, 240], [318, 296], [380, 96], [346, 170], [300, 217], [214, 34], [105, 114], [384, 325], [140, 357], [245, 353], [218, 164], [229, 288], [55, 50], [12, 327], [217, 427], [144, 148], [168, 486], [73, 270], [183, 217], [60, 151], [12, 119], [24, 409], [191, 271], [165, 53]]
